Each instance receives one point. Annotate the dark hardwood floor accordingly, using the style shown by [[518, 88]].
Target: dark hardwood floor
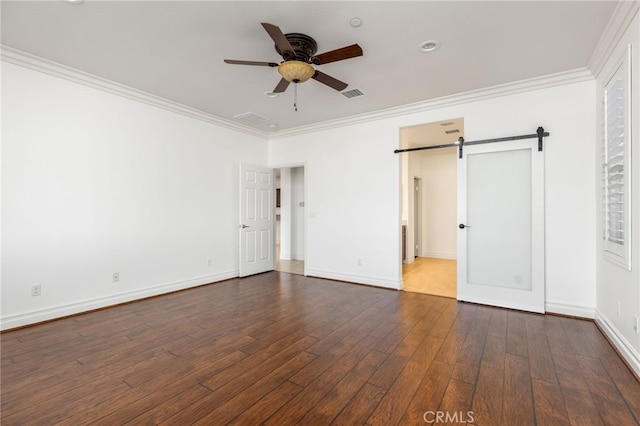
[[279, 349]]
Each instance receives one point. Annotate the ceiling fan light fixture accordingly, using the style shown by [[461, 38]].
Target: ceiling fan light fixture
[[296, 71]]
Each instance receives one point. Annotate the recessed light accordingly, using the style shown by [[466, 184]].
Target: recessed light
[[76, 2], [273, 126], [355, 22], [271, 94], [429, 46]]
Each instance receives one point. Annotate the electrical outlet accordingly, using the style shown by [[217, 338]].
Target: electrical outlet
[[359, 262], [636, 326], [209, 262], [116, 277], [36, 290]]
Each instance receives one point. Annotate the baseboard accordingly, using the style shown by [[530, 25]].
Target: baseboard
[[624, 348], [357, 279], [436, 255], [570, 310], [27, 318]]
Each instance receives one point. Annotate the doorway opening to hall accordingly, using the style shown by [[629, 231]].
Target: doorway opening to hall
[[429, 208], [290, 217]]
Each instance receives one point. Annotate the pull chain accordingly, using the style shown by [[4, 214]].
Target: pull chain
[[295, 96]]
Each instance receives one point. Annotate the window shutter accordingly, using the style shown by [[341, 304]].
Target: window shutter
[[616, 165]]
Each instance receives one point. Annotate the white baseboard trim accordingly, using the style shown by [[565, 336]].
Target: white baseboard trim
[[19, 320], [357, 279], [436, 255], [628, 352], [570, 310]]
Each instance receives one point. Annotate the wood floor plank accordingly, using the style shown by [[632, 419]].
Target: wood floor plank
[[334, 401], [549, 404], [279, 349], [314, 392], [517, 402], [225, 412], [455, 338], [396, 400], [610, 403], [430, 392], [517, 334], [359, 408], [489, 395], [468, 361], [540, 358], [457, 399], [263, 409]]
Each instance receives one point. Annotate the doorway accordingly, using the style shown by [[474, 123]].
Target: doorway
[[429, 209], [290, 220]]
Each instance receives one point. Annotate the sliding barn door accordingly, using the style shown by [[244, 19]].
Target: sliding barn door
[[501, 225]]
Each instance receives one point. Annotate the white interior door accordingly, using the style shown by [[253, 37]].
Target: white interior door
[[501, 225], [257, 223]]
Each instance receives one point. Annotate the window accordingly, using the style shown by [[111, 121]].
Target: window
[[617, 182]]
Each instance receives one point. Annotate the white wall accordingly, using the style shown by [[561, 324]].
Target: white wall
[[94, 183], [298, 209], [439, 203], [352, 201], [354, 191], [614, 283]]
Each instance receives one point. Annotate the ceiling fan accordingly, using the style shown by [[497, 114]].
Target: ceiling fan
[[298, 52]]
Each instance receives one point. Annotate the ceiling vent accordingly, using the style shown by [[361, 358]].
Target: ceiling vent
[[251, 118], [452, 131], [353, 93]]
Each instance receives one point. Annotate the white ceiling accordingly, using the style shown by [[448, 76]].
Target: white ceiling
[[175, 49]]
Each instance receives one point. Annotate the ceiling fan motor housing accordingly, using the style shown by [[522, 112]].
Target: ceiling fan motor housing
[[304, 48]]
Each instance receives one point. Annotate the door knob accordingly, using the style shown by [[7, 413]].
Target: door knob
[[462, 226], [244, 226]]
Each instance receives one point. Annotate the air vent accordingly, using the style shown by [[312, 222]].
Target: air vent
[[353, 93], [250, 118], [452, 131]]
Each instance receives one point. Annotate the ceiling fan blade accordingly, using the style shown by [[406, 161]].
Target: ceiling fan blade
[[334, 83], [282, 86], [264, 64], [338, 54], [278, 37]]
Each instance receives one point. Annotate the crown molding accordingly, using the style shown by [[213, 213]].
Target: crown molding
[[620, 20], [537, 83], [55, 69], [26, 60]]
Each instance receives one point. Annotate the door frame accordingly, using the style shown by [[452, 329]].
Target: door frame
[[417, 216], [306, 208]]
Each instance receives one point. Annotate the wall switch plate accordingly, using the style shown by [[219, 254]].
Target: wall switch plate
[[36, 290]]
